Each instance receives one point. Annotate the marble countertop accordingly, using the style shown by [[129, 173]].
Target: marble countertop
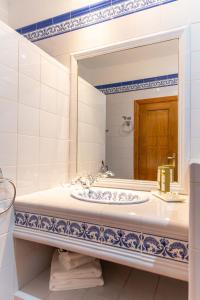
[[155, 216]]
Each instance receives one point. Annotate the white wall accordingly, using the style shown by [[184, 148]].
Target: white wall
[[150, 21], [4, 10], [91, 127], [34, 126], [120, 146], [38, 10], [34, 131], [194, 287]]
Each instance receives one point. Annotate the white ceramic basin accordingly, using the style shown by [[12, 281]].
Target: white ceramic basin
[[110, 196]]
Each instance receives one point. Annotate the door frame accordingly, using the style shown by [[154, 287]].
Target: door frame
[[136, 104]]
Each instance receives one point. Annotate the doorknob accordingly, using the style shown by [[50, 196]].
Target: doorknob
[[173, 159]]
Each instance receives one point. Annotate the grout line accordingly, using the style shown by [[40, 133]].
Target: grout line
[[156, 288], [127, 279], [18, 104]]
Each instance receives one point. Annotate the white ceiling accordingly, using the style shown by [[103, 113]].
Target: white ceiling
[[130, 56]]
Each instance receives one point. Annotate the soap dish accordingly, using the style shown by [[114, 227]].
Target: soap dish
[[169, 197]]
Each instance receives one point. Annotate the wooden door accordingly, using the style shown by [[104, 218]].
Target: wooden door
[[155, 135]]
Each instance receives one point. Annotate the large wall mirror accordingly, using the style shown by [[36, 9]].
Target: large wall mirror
[[128, 111]]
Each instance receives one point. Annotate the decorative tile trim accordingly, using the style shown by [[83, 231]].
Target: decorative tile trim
[[145, 243], [89, 15], [141, 84]]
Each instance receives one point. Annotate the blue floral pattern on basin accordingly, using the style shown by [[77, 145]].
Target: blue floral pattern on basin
[[111, 196], [86, 16], [134, 241]]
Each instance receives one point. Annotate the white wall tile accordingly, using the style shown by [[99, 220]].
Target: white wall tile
[[8, 119], [195, 11], [8, 83], [62, 104], [28, 123], [195, 65], [195, 123], [10, 172], [48, 99], [195, 43], [28, 150], [7, 282], [6, 249], [48, 124], [48, 149], [62, 128], [34, 126], [27, 179], [29, 91], [6, 222], [8, 153], [9, 48], [29, 60], [62, 83], [62, 151], [194, 215], [46, 178], [48, 72], [195, 148], [195, 94]]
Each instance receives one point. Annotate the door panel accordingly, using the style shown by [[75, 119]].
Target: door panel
[[155, 136]]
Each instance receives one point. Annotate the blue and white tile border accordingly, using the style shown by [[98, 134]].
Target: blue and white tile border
[[141, 84], [89, 15], [153, 245]]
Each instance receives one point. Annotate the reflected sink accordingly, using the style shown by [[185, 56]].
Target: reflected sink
[[110, 196]]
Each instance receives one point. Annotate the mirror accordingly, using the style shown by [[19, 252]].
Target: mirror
[[128, 112]]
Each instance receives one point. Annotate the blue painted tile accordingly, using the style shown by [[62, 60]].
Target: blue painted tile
[[151, 79], [19, 30], [138, 81], [61, 18], [29, 28], [44, 23], [80, 11], [127, 83], [117, 1], [100, 5], [116, 84], [173, 76]]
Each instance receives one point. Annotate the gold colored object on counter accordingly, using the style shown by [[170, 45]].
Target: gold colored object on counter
[[165, 177]]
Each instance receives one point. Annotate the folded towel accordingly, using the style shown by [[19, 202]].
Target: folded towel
[[72, 260], [90, 270], [73, 284]]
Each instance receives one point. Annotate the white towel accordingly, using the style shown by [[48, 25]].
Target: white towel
[[72, 260], [73, 284], [90, 270], [85, 276]]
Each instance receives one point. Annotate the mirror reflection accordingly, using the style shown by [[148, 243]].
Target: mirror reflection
[[128, 112]]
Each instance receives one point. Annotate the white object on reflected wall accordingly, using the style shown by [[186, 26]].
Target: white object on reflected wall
[[127, 125]]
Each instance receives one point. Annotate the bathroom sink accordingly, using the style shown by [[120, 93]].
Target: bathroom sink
[[110, 196]]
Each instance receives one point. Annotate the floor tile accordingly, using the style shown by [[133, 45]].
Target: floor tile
[[140, 286], [121, 283], [171, 289], [39, 287]]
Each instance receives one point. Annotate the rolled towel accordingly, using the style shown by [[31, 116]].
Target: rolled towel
[[90, 270], [73, 284], [72, 260]]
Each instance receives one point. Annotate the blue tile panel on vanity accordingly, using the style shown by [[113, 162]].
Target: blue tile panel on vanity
[[99, 12], [141, 84], [163, 247]]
